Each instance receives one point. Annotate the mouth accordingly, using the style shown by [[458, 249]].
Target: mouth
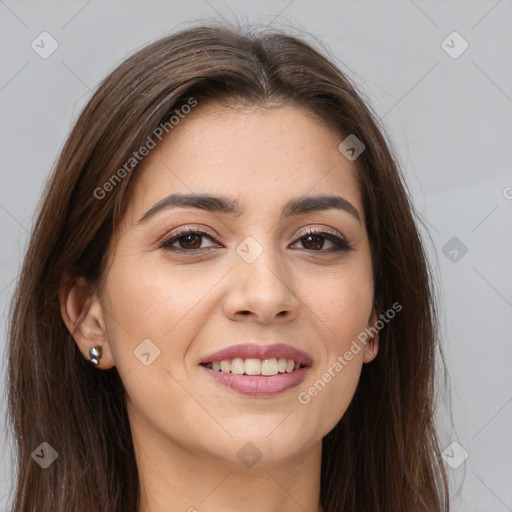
[[258, 370], [253, 366]]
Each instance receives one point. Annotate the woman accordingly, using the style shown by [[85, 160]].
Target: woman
[[225, 302]]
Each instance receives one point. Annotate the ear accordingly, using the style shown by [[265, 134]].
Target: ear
[[83, 316], [372, 347]]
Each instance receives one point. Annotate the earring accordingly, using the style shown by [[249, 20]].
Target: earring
[[95, 354]]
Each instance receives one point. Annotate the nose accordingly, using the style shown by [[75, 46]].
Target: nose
[[262, 290]]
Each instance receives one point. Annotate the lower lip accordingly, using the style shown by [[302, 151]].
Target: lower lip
[[257, 385]]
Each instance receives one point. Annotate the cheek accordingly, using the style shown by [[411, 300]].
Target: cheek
[[343, 301], [344, 310], [148, 300], [330, 395], [152, 316]]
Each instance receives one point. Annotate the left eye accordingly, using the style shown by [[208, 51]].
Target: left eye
[[314, 239], [191, 241]]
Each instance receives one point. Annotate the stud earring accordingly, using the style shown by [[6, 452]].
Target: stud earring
[[95, 354]]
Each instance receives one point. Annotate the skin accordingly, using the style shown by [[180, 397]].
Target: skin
[[187, 428]]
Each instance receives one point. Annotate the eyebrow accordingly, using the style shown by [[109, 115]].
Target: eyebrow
[[226, 205]]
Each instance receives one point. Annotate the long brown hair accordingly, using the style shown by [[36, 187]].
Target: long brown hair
[[383, 455]]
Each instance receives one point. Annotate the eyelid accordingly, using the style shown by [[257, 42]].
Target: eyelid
[[319, 230], [184, 230]]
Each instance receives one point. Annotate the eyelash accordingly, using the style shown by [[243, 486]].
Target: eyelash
[[341, 245]]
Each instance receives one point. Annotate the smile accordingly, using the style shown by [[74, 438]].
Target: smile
[[252, 366], [258, 369]]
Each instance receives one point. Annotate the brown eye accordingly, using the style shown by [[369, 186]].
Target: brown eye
[[190, 241], [312, 242], [315, 241], [187, 240]]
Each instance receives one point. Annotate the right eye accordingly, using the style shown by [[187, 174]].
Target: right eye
[[187, 239]]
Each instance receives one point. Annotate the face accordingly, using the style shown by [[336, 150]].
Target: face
[[248, 284]]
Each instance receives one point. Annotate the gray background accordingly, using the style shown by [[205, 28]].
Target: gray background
[[450, 119]]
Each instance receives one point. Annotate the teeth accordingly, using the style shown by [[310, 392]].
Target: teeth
[[269, 367], [251, 366], [237, 366]]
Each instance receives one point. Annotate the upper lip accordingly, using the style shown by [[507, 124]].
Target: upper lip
[[257, 351]]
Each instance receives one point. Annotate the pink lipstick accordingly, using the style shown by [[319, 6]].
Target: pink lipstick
[[258, 370]]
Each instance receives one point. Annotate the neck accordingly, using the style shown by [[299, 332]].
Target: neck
[[176, 479]]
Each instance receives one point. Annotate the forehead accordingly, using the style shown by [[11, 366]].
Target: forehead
[[259, 156]]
